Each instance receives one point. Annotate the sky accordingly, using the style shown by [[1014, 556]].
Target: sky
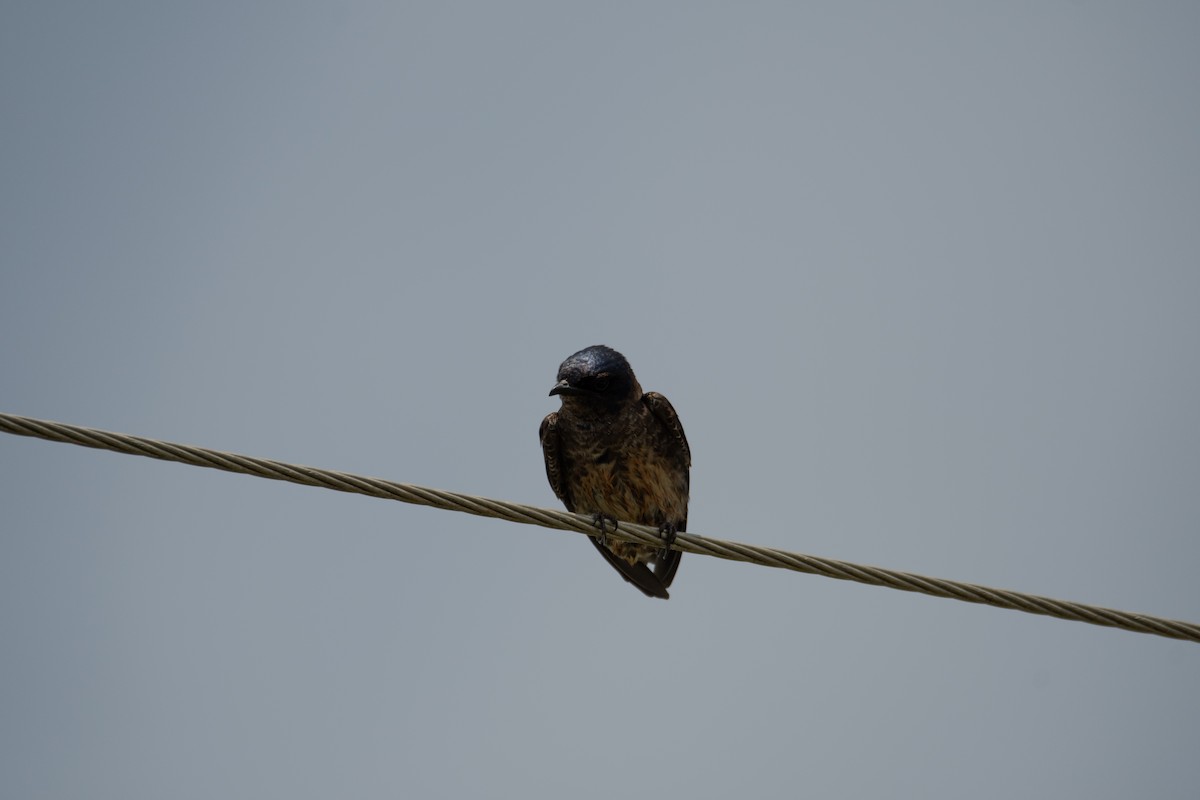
[[920, 279]]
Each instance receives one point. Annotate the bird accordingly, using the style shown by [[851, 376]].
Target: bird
[[617, 453]]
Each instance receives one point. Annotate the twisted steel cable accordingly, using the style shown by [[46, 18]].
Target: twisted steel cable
[[549, 518]]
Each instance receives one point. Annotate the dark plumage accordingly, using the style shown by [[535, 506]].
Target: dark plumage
[[614, 452]]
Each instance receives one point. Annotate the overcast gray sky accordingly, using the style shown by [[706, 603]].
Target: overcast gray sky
[[921, 280]]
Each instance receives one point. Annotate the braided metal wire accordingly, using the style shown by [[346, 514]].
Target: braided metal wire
[[549, 518]]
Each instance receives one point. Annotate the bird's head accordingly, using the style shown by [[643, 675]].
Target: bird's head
[[596, 377]]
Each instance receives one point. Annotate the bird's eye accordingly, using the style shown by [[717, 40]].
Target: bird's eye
[[601, 383]]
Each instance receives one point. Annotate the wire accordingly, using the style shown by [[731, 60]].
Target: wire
[[549, 518]]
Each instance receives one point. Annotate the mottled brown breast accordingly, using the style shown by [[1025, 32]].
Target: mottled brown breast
[[635, 468]]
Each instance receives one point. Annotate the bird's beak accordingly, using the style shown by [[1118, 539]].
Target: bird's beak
[[565, 388]]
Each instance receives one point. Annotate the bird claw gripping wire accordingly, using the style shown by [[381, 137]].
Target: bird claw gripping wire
[[601, 521], [668, 532]]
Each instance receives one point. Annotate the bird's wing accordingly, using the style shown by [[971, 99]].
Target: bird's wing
[[556, 468], [638, 574], [666, 566], [664, 412], [677, 444]]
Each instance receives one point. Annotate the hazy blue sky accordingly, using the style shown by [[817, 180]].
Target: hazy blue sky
[[922, 281]]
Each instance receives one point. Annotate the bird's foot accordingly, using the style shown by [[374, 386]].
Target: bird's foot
[[668, 532], [601, 521]]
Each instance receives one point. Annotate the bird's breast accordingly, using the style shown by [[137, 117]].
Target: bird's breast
[[638, 486]]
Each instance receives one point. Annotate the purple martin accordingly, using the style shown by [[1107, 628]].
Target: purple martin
[[618, 454]]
